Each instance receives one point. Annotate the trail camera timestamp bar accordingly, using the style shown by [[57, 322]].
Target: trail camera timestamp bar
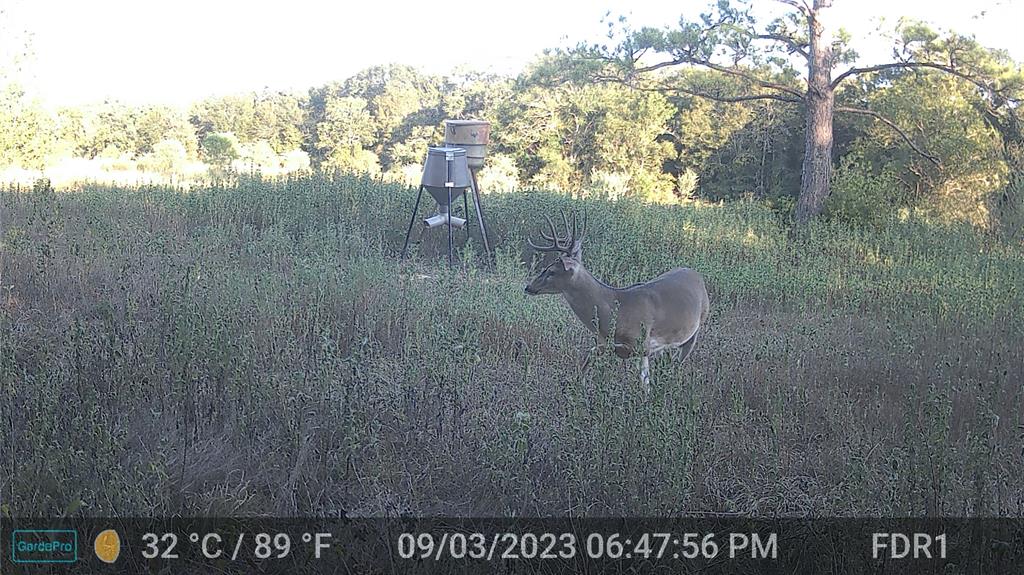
[[555, 545], [510, 546]]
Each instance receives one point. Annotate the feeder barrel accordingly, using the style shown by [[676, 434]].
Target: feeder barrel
[[471, 135]]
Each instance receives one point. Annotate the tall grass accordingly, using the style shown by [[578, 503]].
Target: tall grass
[[260, 349]]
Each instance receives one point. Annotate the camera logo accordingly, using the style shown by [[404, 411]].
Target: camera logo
[[44, 546]]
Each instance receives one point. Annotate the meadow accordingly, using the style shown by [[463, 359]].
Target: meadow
[[259, 348]]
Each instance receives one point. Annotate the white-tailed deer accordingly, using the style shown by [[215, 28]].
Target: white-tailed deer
[[663, 314]]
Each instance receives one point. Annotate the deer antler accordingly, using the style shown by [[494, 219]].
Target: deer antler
[[578, 236], [569, 244]]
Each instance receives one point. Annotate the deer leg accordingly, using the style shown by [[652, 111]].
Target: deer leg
[[645, 374], [683, 351]]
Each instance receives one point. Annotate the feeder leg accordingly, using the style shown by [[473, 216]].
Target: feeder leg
[[480, 215], [465, 210], [449, 226], [411, 221]]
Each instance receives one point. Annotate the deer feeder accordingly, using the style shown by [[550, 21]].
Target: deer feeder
[[450, 172], [445, 177]]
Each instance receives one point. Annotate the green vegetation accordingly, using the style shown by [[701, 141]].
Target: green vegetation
[[797, 59], [934, 135], [259, 348]]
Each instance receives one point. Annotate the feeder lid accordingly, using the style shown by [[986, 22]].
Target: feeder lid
[[446, 150]]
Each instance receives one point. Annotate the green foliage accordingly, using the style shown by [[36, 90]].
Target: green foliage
[[89, 130], [687, 184], [278, 117], [628, 140], [234, 114], [159, 124], [1008, 205], [940, 113], [347, 125], [654, 137], [112, 125], [259, 156], [72, 132], [499, 174], [862, 197], [220, 149], [786, 61], [394, 112], [27, 132], [271, 117], [561, 137], [762, 159], [168, 158], [354, 161], [406, 110], [701, 127]]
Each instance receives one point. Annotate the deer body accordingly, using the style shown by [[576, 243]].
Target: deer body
[[663, 314]]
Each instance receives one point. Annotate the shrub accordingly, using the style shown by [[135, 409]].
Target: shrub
[[499, 174], [167, 158], [861, 196], [610, 185], [220, 149], [354, 161]]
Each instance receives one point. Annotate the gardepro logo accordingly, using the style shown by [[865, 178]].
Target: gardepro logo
[[44, 546]]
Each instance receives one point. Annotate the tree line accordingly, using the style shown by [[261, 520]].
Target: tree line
[[936, 131]]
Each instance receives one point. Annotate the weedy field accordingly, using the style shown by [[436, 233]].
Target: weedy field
[[260, 349]]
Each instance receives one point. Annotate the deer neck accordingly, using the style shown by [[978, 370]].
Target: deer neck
[[591, 300]]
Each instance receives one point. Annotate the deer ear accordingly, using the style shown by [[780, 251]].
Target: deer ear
[[570, 263]]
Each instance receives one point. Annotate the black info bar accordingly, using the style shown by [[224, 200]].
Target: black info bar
[[511, 545]]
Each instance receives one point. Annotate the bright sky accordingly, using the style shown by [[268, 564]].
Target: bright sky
[[178, 51]]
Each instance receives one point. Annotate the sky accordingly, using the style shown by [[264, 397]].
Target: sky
[[179, 51]]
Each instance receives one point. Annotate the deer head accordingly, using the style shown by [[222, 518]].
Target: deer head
[[557, 275]]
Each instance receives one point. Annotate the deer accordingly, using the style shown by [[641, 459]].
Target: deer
[[663, 314]]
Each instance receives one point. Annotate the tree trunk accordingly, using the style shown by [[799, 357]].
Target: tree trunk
[[816, 175]]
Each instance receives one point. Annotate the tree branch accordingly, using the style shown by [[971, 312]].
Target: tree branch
[[894, 127], [721, 98], [724, 70], [801, 6], [794, 46], [909, 65], [659, 65], [698, 93], [754, 79]]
